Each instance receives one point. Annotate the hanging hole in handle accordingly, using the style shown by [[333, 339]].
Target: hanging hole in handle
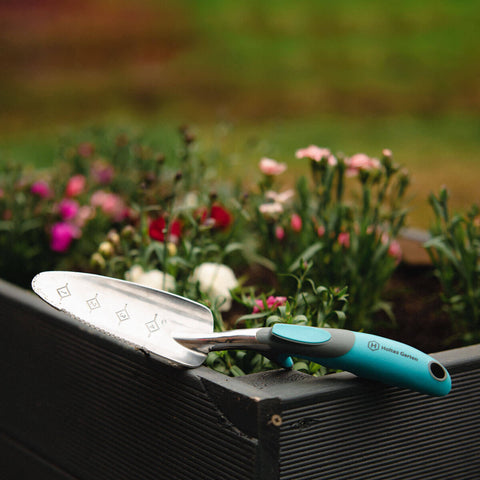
[[437, 371]]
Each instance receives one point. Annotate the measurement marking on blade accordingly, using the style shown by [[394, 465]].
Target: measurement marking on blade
[[93, 303], [63, 292], [154, 325], [122, 314]]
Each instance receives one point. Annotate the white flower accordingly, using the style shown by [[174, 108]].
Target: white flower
[[153, 278], [270, 210], [134, 273], [216, 280], [280, 197], [191, 200]]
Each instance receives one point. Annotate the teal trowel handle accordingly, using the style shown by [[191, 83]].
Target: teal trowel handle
[[365, 355]]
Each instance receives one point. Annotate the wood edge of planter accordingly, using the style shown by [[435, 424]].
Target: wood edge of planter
[[263, 386], [253, 406]]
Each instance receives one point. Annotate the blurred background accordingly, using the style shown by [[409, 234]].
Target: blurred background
[[253, 78]]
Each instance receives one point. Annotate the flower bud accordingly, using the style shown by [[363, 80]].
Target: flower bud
[[127, 232], [189, 138], [96, 260], [113, 237], [106, 249], [172, 249]]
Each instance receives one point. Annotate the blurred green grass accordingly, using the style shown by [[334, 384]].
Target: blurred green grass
[[254, 78]]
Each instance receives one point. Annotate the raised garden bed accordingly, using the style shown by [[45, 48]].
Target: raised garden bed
[[79, 405]]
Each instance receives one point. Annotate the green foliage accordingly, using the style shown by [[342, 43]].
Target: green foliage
[[173, 224], [455, 252], [307, 304], [344, 222]]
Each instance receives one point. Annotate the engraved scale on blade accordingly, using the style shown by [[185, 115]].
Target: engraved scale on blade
[[140, 316]]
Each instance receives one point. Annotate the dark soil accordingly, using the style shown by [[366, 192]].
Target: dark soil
[[420, 321]]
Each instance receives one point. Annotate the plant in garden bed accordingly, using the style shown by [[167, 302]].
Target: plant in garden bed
[[55, 219], [345, 220], [454, 250], [124, 212], [307, 304]]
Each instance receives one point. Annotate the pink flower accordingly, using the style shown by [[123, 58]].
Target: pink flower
[[271, 167], [296, 222], [395, 251], [75, 186], [279, 232], [344, 239], [102, 172], [68, 208], [317, 154], [386, 152], [111, 204], [271, 303], [86, 149], [321, 231], [394, 248], [62, 235], [85, 213], [360, 161], [42, 189]]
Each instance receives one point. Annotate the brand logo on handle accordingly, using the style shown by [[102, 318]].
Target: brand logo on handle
[[373, 346]]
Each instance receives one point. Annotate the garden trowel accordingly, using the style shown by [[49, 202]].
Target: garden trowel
[[180, 332]]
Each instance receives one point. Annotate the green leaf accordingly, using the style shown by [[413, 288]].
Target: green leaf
[[233, 247], [305, 256], [252, 316], [236, 371], [301, 366]]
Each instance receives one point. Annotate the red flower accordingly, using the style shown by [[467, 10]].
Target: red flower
[[156, 230], [218, 217], [221, 216]]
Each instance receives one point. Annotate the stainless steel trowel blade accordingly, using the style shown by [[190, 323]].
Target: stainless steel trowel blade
[[140, 316]]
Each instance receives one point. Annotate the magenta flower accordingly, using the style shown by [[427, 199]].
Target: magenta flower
[[317, 154], [68, 208], [271, 303], [271, 167], [62, 235], [75, 186], [42, 189]]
